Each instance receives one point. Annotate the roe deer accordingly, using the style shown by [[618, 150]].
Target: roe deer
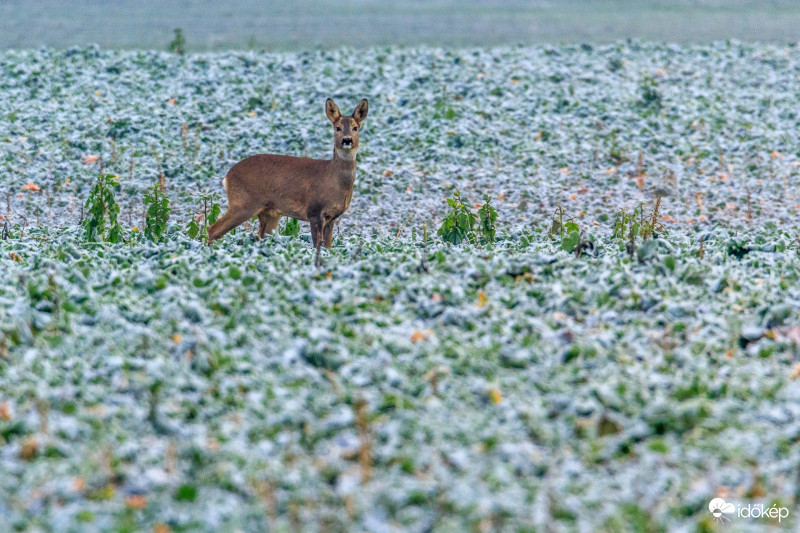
[[314, 190]]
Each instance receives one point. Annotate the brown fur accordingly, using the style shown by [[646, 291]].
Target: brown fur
[[314, 190]]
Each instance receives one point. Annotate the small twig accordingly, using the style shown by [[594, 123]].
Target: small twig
[[401, 226], [640, 164], [43, 410], [631, 242], [365, 436], [749, 215], [184, 132], [423, 262], [654, 222], [196, 144], [205, 217], [162, 179]]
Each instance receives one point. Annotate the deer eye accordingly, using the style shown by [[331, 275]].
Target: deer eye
[[338, 128], [355, 128]]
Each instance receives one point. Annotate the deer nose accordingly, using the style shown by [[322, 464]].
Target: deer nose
[[347, 140]]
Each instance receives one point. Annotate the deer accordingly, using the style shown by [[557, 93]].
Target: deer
[[312, 190]]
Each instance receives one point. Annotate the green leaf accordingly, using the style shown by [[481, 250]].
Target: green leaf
[[570, 241], [291, 227], [192, 229], [186, 493], [213, 216]]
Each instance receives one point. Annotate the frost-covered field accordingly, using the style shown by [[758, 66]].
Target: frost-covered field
[[405, 385]]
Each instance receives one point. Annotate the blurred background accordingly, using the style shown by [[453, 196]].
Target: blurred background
[[294, 24]]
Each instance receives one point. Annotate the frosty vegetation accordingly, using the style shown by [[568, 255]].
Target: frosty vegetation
[[606, 361]]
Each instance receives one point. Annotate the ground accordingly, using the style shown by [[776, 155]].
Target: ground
[[408, 384]]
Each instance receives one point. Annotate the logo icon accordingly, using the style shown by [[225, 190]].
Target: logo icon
[[719, 508]]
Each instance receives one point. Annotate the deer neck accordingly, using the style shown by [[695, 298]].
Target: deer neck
[[343, 168]]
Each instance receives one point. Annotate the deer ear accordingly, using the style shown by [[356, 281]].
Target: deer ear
[[361, 111], [332, 111]]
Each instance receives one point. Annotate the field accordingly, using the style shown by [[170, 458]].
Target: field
[[408, 384]]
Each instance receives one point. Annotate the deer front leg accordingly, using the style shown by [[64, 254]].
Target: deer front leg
[[316, 232], [316, 238], [327, 235]]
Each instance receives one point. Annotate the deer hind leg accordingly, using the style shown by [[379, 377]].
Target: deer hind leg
[[267, 221], [232, 218]]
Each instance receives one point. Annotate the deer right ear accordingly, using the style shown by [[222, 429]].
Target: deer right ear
[[331, 110]]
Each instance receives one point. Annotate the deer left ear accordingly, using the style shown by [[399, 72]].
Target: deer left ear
[[361, 111]]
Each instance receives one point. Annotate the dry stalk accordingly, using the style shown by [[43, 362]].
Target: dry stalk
[[184, 132], [365, 436]]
